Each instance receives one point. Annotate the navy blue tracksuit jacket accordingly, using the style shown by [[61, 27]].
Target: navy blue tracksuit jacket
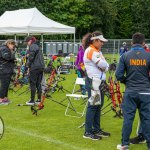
[[133, 71]]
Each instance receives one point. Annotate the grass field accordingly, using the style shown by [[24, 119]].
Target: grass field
[[51, 129]]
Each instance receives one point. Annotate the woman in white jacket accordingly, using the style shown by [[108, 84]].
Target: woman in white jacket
[[96, 66]]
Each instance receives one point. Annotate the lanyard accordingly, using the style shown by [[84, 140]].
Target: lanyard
[[101, 75]]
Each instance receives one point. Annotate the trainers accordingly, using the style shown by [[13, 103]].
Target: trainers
[[102, 133], [5, 101], [122, 147], [30, 102], [91, 136], [37, 101], [138, 139]]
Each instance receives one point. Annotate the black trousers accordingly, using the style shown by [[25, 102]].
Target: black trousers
[[4, 84], [35, 79]]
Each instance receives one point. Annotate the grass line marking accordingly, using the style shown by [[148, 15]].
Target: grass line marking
[[45, 138]]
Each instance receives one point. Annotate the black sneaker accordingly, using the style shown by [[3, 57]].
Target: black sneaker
[[102, 133], [138, 139], [91, 136], [37, 101]]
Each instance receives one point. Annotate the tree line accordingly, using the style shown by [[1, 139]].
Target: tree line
[[115, 18]]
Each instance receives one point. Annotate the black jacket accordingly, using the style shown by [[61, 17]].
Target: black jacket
[[7, 60], [133, 70], [35, 59]]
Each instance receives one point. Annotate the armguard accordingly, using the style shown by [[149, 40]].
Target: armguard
[[102, 64], [95, 98]]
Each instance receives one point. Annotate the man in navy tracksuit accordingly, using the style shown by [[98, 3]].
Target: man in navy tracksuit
[[133, 71]]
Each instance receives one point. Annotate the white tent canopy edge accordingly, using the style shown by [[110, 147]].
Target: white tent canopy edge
[[31, 22]]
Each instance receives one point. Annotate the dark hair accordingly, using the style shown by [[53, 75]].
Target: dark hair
[[28, 38], [88, 40], [138, 38]]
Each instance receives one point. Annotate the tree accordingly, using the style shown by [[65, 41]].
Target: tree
[[104, 15], [73, 13], [140, 11], [115, 18], [124, 20]]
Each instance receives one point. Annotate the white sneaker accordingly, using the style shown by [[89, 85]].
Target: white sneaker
[[122, 147], [30, 103]]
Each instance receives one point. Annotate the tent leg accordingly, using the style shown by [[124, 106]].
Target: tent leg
[[42, 42], [74, 52]]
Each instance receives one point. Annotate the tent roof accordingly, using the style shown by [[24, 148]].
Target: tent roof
[[30, 21]]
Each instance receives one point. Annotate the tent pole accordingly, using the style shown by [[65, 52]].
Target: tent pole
[[15, 38], [42, 42], [15, 41], [74, 52], [27, 45]]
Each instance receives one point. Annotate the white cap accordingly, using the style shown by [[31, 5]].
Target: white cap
[[100, 37], [124, 43]]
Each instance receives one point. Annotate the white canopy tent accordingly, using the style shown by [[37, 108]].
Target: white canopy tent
[[31, 21]]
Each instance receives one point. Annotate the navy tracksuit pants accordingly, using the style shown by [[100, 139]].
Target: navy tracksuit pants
[[131, 102], [92, 122]]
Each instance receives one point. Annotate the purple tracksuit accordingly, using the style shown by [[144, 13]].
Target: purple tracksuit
[[79, 59]]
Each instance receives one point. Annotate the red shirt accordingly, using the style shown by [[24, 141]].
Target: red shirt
[[147, 49]]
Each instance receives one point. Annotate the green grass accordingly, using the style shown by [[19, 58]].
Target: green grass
[[51, 129]]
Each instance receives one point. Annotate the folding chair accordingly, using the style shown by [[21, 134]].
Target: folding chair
[[76, 97]]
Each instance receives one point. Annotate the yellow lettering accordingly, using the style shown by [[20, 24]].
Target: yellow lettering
[[130, 61], [133, 62], [144, 62], [138, 62]]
